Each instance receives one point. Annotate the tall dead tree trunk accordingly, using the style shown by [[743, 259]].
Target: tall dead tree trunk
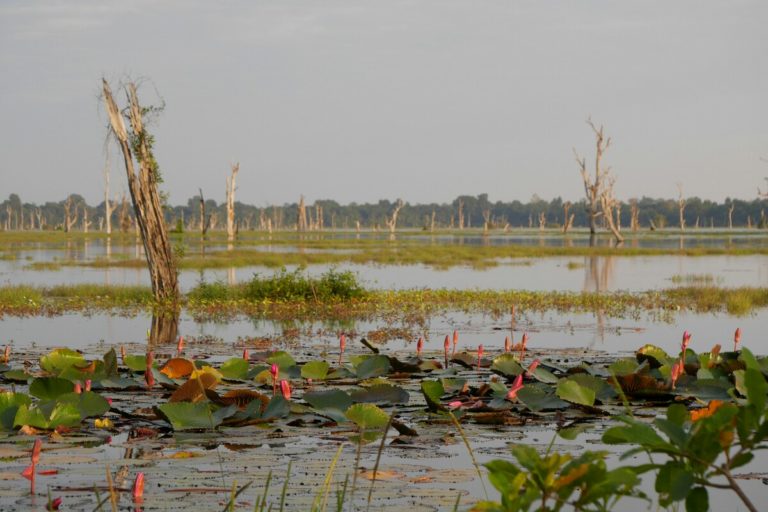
[[486, 220], [108, 206], [123, 217], [432, 222], [86, 222], [730, 215], [593, 185], [204, 220], [609, 205], [70, 214], [461, 214], [634, 215], [301, 223], [231, 202], [681, 206], [567, 217], [143, 189], [542, 221], [392, 220]]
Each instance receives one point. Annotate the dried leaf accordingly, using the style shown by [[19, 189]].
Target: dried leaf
[[177, 367]]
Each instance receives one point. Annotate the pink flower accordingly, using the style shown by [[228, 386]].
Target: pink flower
[[7, 355], [285, 388], [507, 344], [342, 346], [246, 356], [533, 366], [78, 388], [419, 346], [455, 340], [517, 385], [275, 371], [148, 375], [180, 345], [88, 384], [446, 347], [455, 404], [138, 487], [736, 339], [480, 351], [686, 341], [54, 504]]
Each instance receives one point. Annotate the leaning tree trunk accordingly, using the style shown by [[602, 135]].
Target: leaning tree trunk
[[143, 189]]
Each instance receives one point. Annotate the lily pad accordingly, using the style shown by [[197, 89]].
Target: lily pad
[[315, 370], [48, 415], [187, 415], [88, 403], [282, 359], [235, 368], [373, 366], [17, 376], [60, 359], [537, 399], [433, 392], [367, 416], [507, 365], [381, 394], [47, 388], [136, 363], [331, 402], [572, 391], [655, 356], [9, 405]]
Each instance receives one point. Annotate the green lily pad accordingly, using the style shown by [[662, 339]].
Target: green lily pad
[[381, 394], [60, 359], [315, 370], [278, 407], [433, 392], [88, 403], [623, 366], [654, 355], [17, 376], [47, 388], [136, 363], [544, 375], [234, 369], [507, 365], [572, 391], [9, 405], [48, 415], [282, 359], [452, 385], [373, 366], [538, 399], [110, 363], [331, 402], [367, 416], [188, 415]]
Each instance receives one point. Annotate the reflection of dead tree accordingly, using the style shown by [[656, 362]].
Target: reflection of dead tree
[[143, 189], [231, 202], [593, 185], [681, 203], [301, 224], [70, 214], [432, 222], [204, 220], [567, 217], [610, 205], [634, 215], [392, 220]]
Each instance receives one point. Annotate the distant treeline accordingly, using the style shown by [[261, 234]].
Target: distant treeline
[[328, 214]]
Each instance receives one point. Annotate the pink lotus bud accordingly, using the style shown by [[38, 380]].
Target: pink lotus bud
[[686, 341], [455, 340], [419, 347], [517, 385], [446, 347], [507, 344], [246, 356], [480, 351], [7, 354], [138, 487], [274, 370], [78, 388], [342, 346], [109, 401], [36, 449], [88, 384], [533, 366], [148, 375], [285, 388], [455, 404], [54, 504], [180, 345], [736, 339]]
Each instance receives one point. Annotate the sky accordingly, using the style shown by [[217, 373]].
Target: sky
[[363, 100]]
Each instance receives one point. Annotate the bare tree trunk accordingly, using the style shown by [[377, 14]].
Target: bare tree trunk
[[432, 222], [108, 207], [634, 215], [86, 222], [593, 185], [204, 221], [461, 214], [392, 221], [681, 206], [730, 215], [40, 218], [123, 217], [608, 203], [231, 202], [567, 218], [486, 220], [301, 224], [70, 215], [143, 189], [542, 221]]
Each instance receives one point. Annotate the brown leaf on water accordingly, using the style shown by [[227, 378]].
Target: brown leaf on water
[[242, 397], [194, 389], [89, 368], [177, 367], [635, 382], [381, 475]]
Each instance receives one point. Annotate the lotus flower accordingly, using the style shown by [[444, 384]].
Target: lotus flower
[[180, 345], [285, 389], [419, 347], [480, 351], [736, 340], [54, 504], [78, 388], [532, 367], [342, 345], [88, 384], [507, 344], [274, 370], [138, 487], [517, 385], [686, 341], [7, 354], [246, 356], [455, 404], [455, 340], [29, 471], [446, 347]]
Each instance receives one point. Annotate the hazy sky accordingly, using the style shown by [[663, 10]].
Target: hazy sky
[[361, 100]]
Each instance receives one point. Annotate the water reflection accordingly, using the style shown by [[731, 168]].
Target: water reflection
[[599, 273], [164, 328]]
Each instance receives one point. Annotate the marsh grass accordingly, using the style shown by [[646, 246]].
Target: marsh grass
[[693, 279]]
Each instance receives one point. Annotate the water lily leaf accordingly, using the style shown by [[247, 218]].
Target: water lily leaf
[[452, 385], [282, 359], [373, 366], [17, 376], [624, 366], [537, 399], [60, 359], [88, 403], [602, 390], [430, 365], [9, 405], [367, 416], [110, 363], [177, 368], [186, 415], [136, 363], [278, 407], [48, 415], [639, 385], [465, 359], [194, 389], [119, 383], [315, 370], [242, 397], [235, 368], [207, 370], [381, 394], [655, 356], [705, 389], [340, 373], [507, 365], [544, 375], [331, 402], [572, 391], [433, 392], [47, 388]]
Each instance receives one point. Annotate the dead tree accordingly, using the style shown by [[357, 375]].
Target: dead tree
[[301, 224], [681, 206], [432, 222], [231, 202], [143, 189], [392, 220], [204, 221], [461, 214], [40, 218], [486, 220], [108, 206], [567, 217], [593, 185], [123, 216], [609, 205], [70, 214], [730, 215], [634, 215], [542, 220], [86, 222]]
